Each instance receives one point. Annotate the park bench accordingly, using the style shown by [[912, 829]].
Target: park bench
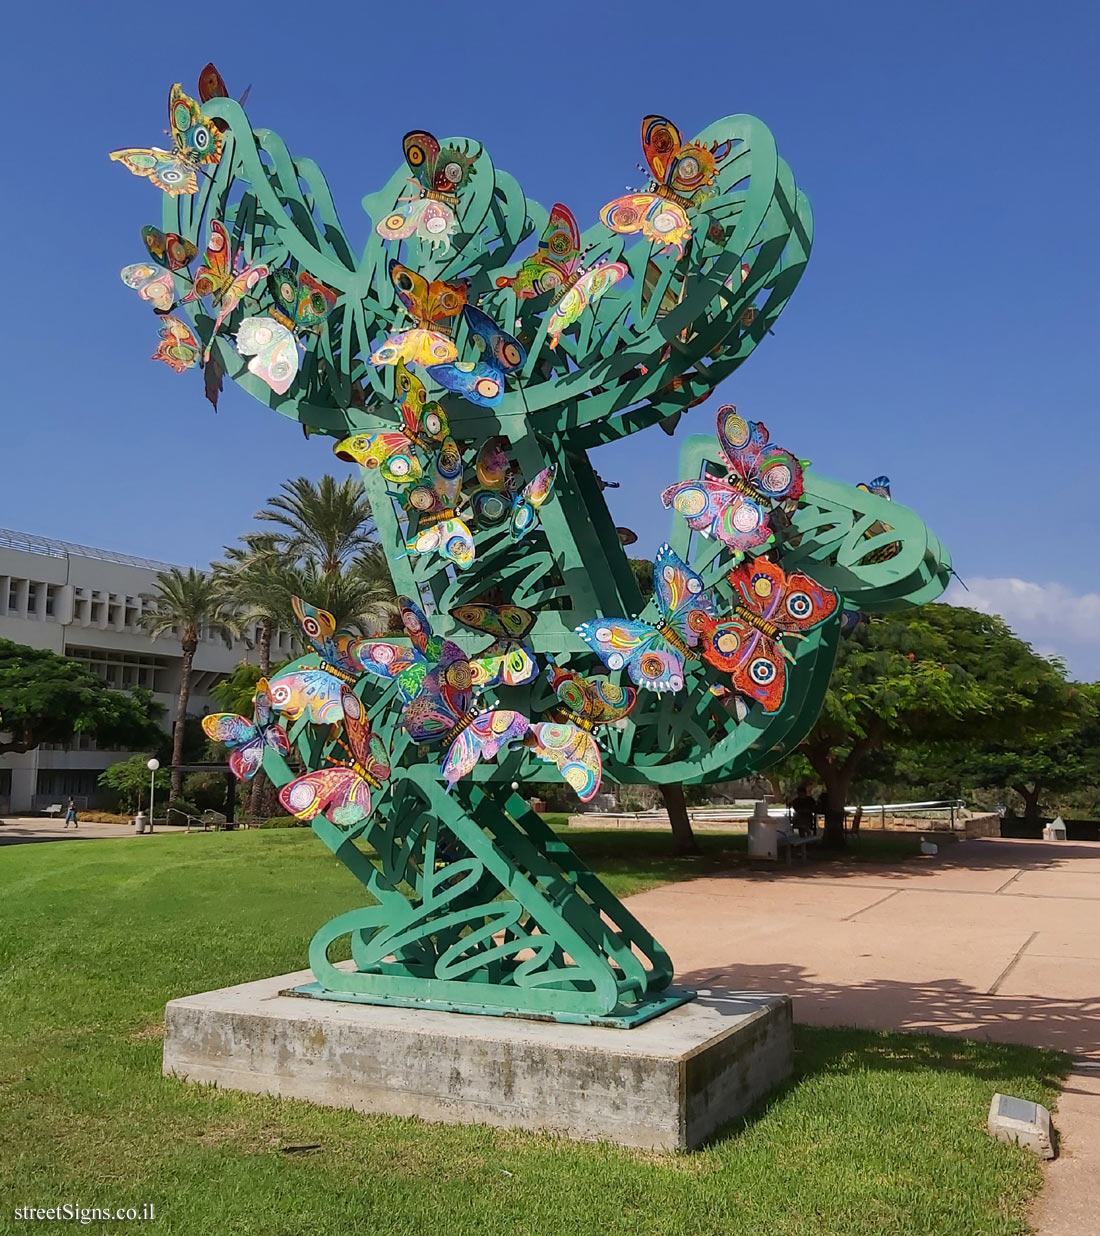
[[54, 810], [795, 844]]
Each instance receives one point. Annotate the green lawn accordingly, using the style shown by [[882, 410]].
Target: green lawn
[[877, 1133]]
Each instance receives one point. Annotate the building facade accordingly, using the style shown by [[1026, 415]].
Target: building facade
[[87, 604]]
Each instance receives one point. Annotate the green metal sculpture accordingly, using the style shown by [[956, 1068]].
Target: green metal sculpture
[[474, 903]]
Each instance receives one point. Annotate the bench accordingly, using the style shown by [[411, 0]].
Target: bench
[[794, 844], [54, 810]]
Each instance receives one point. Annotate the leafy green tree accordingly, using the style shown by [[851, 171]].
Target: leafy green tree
[[130, 780], [187, 603], [327, 522], [1054, 755], [49, 698], [942, 674]]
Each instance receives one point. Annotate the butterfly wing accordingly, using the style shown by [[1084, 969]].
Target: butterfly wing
[[273, 352], [770, 470], [680, 594], [661, 143], [482, 739], [450, 538], [415, 347], [794, 603], [554, 262], [171, 173], [528, 502], [196, 137], [179, 349], [503, 662], [215, 275], [422, 155], [635, 646], [211, 84], [318, 626], [151, 283], [880, 487], [306, 301], [327, 790], [311, 693], [586, 291], [715, 509], [359, 733], [502, 350], [596, 700], [504, 621], [411, 288], [575, 754], [425, 422], [229, 728], [167, 249], [387, 451], [246, 761]]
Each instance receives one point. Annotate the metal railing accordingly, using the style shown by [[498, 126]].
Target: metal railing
[[206, 819]]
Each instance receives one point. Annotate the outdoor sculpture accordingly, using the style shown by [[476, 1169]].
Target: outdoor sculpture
[[467, 360]]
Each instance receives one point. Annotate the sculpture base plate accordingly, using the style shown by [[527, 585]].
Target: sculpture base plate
[[626, 1017], [669, 1084]]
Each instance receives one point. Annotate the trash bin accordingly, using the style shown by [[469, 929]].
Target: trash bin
[[763, 842], [141, 823]]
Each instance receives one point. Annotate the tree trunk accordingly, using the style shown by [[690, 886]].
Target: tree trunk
[[181, 716], [1030, 795], [683, 839], [836, 790], [265, 646]]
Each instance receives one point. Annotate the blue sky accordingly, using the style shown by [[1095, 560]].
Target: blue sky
[[945, 331]]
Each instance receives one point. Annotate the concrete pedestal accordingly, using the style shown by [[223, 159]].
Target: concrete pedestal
[[666, 1085]]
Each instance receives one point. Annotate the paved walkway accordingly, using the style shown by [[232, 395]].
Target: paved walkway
[[992, 939], [13, 831]]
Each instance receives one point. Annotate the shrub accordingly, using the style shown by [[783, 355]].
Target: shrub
[[280, 821]]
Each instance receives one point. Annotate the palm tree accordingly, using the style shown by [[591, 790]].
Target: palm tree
[[186, 603], [256, 581], [327, 521]]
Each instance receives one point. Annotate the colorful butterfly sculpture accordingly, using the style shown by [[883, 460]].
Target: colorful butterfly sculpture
[[273, 349], [567, 739], [654, 656], [735, 511], [168, 249], [526, 504], [424, 424], [682, 176], [507, 660], [442, 713], [248, 739], [769, 604], [880, 487], [440, 529], [494, 501], [304, 302], [196, 142], [343, 791], [314, 692], [179, 348], [556, 265], [482, 382], [212, 86], [441, 172], [221, 279], [587, 289], [152, 284], [429, 304]]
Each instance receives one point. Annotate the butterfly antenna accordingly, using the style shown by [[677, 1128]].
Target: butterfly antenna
[[959, 578]]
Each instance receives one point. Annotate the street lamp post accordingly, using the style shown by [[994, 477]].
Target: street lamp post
[[152, 766]]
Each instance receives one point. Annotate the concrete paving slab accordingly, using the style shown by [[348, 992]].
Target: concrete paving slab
[[992, 939]]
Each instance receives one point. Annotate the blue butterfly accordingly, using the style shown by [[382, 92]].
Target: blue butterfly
[[653, 656], [482, 382]]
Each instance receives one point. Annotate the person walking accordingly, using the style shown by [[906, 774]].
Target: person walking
[[70, 814]]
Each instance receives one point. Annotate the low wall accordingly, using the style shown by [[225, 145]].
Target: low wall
[[962, 827]]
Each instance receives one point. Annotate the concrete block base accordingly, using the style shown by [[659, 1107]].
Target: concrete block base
[[667, 1085]]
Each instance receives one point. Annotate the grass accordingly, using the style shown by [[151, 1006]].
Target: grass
[[876, 1134]]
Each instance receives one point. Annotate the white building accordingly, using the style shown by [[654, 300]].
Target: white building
[[86, 603]]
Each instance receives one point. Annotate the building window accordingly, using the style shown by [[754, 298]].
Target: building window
[[51, 599], [13, 594], [97, 611]]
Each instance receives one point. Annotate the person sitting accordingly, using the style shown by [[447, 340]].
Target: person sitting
[[802, 809]]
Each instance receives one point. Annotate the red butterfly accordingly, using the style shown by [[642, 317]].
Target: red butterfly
[[768, 604]]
